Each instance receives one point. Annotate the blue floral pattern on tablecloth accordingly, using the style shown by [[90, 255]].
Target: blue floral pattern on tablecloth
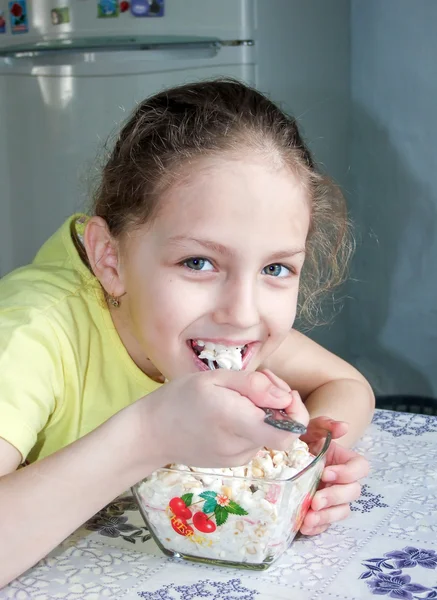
[[112, 522], [394, 522], [404, 424], [213, 590], [368, 501], [385, 576]]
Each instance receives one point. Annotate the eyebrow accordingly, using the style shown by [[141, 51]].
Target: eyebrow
[[225, 251]]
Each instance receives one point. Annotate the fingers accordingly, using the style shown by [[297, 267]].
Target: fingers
[[353, 468], [259, 432], [330, 505], [265, 434], [312, 530], [320, 425], [264, 390], [297, 410], [259, 388], [336, 495], [280, 383], [314, 521], [243, 416]]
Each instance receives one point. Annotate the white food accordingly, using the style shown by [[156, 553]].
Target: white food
[[270, 505], [248, 514], [227, 357]]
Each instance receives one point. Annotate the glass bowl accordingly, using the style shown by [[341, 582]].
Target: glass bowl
[[230, 521]]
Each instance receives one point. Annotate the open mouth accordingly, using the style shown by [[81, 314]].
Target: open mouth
[[218, 356]]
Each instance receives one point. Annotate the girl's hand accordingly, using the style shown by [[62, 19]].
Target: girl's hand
[[213, 419], [339, 486]]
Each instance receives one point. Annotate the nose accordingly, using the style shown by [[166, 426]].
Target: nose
[[237, 305]]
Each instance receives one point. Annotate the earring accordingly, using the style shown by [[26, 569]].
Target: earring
[[113, 301]]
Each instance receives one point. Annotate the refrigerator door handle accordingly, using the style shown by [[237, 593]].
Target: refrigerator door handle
[[59, 48]]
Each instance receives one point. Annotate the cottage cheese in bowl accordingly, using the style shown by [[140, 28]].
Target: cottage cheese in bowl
[[244, 516]]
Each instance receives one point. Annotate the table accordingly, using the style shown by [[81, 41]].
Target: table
[[388, 547]]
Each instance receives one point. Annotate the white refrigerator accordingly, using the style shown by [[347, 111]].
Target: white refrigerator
[[72, 70]]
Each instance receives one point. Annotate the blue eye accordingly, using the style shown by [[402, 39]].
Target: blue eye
[[198, 264], [276, 270]]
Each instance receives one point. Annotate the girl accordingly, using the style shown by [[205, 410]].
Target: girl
[[211, 223]]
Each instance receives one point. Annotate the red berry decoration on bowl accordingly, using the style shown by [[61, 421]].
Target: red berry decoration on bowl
[[203, 523], [179, 508], [181, 526]]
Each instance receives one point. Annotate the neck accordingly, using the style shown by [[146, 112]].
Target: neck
[[133, 347]]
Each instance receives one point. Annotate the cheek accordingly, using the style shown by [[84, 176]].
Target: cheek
[[282, 324], [282, 307], [173, 305]]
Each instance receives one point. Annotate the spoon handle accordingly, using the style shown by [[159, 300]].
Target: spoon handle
[[280, 420]]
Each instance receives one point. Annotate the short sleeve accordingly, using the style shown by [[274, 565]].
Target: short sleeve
[[30, 376]]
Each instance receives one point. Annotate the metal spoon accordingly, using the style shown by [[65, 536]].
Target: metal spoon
[[285, 422]]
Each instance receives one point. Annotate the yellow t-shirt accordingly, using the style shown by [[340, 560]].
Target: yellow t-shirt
[[63, 367]]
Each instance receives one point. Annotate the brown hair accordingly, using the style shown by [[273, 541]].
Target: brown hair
[[210, 117]]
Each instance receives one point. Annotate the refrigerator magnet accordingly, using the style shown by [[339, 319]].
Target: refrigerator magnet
[[147, 8], [108, 8], [2, 22], [18, 16], [60, 16]]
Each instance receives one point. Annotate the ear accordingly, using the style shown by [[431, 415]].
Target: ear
[[104, 256]]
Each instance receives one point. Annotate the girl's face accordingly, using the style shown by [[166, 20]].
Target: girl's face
[[220, 263]]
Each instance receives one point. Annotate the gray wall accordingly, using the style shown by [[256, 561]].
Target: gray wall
[[5, 216], [392, 318], [314, 85]]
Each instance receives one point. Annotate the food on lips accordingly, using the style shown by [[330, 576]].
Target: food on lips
[[223, 357]]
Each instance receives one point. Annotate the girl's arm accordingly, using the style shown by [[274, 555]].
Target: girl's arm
[[334, 389], [328, 385], [211, 418], [41, 504]]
